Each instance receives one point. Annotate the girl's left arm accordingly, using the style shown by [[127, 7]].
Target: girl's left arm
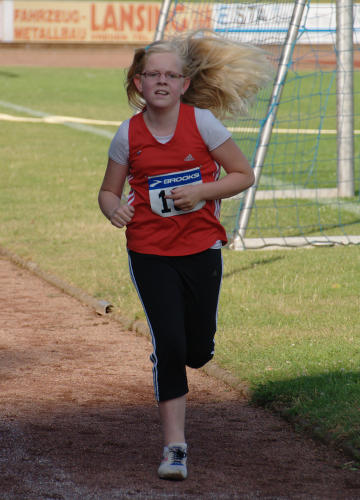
[[239, 176]]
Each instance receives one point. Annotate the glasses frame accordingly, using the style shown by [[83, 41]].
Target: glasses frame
[[169, 75]]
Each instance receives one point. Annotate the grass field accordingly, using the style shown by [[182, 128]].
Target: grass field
[[288, 320]]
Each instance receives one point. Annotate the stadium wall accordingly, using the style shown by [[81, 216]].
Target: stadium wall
[[84, 22]]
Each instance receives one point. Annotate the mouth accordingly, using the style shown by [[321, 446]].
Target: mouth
[[162, 92]]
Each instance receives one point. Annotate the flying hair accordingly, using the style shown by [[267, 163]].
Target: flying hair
[[225, 75]]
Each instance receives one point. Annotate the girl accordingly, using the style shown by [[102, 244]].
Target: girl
[[171, 153]]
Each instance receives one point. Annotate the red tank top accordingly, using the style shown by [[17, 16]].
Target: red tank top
[[154, 169]]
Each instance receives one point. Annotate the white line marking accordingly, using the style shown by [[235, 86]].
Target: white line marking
[[50, 119], [66, 120], [12, 118], [56, 119], [288, 130]]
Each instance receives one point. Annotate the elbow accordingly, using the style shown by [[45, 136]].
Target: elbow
[[250, 179], [99, 198]]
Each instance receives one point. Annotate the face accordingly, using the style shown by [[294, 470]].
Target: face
[[162, 90]]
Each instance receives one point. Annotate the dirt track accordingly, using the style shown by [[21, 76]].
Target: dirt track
[[116, 56], [65, 55], [79, 421]]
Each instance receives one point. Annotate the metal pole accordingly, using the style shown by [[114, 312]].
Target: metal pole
[[164, 12], [266, 131], [345, 97]]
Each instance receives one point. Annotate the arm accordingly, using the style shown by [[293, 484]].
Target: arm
[[110, 195], [239, 176]]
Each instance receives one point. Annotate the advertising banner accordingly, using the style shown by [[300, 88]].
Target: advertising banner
[[37, 21], [123, 21], [62, 21], [58, 21], [269, 23]]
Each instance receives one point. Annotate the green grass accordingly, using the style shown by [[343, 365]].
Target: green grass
[[288, 326], [87, 93], [293, 218], [304, 160], [288, 320], [307, 160]]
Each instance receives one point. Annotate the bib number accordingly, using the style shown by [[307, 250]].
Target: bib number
[[161, 186]]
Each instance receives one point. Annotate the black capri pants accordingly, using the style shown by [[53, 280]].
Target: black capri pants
[[180, 296]]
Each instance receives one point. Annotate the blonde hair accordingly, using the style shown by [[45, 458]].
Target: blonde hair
[[225, 75]]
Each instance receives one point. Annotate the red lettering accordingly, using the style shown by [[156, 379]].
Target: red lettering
[[126, 17], [148, 18], [109, 18], [155, 18], [208, 14], [19, 34], [139, 13], [178, 9], [94, 26]]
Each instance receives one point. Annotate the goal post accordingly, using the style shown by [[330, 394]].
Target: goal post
[[345, 97], [238, 241], [163, 18], [301, 135]]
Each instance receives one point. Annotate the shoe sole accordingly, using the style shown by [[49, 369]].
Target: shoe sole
[[175, 476]]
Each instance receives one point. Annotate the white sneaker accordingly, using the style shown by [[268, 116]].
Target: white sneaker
[[173, 464]]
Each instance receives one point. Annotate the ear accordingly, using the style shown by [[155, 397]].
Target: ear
[[186, 84], [137, 83]]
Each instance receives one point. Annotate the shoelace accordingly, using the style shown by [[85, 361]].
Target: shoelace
[[177, 455]]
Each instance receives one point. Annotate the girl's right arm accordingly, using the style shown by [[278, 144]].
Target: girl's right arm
[[110, 195]]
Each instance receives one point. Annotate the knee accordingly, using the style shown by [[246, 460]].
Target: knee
[[197, 360]]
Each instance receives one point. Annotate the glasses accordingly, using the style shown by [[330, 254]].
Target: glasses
[[156, 75]]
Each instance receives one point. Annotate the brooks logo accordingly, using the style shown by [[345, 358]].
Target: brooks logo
[[154, 183], [183, 178]]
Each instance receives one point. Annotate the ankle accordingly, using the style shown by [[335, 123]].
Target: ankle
[[177, 444]]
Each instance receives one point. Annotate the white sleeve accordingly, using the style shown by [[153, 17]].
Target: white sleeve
[[119, 147], [211, 129]]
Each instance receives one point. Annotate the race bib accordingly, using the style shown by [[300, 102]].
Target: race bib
[[161, 186]]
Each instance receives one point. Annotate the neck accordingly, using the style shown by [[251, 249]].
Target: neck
[[162, 122]]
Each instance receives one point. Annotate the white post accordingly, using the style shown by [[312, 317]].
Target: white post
[[7, 34], [265, 134], [160, 29], [345, 97]]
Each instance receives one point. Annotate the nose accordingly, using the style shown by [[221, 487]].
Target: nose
[[162, 78]]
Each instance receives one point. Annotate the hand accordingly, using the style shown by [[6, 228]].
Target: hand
[[186, 197], [122, 215]]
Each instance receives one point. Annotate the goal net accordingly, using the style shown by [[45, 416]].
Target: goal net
[[302, 134]]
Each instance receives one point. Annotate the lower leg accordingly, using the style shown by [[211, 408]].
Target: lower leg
[[172, 418]]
